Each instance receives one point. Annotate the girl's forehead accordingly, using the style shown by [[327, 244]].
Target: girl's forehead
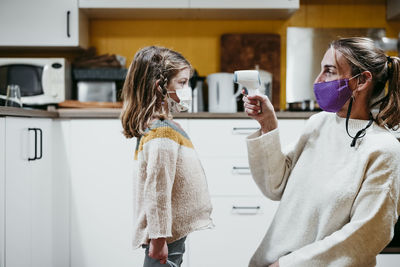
[[183, 73]]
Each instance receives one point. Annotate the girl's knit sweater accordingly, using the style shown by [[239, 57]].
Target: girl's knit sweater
[[171, 193]]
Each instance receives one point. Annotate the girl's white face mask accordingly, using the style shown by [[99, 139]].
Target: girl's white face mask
[[185, 100]]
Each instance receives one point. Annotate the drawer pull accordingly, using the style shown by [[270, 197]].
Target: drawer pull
[[246, 210], [241, 170], [244, 130]]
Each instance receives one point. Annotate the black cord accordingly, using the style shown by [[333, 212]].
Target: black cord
[[361, 133]]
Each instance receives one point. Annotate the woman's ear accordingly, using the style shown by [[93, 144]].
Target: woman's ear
[[364, 81]]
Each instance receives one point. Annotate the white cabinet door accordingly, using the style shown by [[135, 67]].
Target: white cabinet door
[[102, 169], [240, 225], [61, 191], [272, 4], [42, 196], [39, 23], [133, 4], [2, 185], [28, 195]]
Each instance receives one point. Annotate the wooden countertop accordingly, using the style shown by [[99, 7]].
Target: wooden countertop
[[25, 112], [113, 113]]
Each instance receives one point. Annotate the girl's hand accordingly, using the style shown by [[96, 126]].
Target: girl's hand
[[260, 108], [275, 264], [159, 250]]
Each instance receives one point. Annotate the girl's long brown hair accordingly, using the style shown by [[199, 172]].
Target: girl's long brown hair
[[363, 55], [142, 98]]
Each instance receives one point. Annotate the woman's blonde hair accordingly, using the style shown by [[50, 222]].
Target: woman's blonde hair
[[142, 98], [363, 55]]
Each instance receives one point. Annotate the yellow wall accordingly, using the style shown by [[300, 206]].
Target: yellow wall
[[198, 40]]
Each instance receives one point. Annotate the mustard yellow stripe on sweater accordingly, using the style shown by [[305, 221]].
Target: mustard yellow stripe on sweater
[[165, 132]]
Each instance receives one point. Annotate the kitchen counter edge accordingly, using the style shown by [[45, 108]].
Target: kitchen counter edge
[[114, 113], [101, 113]]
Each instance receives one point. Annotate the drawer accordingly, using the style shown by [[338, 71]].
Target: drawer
[[228, 177], [227, 138], [221, 138], [240, 225]]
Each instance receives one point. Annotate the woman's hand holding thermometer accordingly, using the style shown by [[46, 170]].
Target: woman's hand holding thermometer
[[256, 105]]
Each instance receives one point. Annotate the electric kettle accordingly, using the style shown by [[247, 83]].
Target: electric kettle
[[221, 95]]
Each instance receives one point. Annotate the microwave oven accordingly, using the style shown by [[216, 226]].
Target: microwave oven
[[42, 81]]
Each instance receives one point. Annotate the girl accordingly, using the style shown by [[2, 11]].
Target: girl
[[171, 194], [339, 186]]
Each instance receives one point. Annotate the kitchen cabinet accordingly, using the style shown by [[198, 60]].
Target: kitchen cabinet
[[2, 185], [190, 9], [240, 225], [48, 23], [102, 169], [133, 4], [250, 4], [241, 213], [28, 193]]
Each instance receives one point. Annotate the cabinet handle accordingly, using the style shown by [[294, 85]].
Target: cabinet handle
[[34, 129], [241, 170], [41, 143], [244, 130], [246, 210], [68, 15]]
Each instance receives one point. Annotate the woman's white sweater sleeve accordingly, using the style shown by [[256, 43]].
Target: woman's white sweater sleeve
[[370, 227], [161, 157], [269, 166]]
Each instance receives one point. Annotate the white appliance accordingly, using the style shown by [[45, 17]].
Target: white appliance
[[100, 91], [42, 80], [221, 95], [266, 83]]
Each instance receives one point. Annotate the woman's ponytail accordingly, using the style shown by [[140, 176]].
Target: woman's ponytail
[[389, 112]]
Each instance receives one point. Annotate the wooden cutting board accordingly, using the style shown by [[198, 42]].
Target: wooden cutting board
[[245, 51], [79, 104]]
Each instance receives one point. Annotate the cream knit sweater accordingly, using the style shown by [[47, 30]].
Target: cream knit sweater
[[171, 193], [338, 204]]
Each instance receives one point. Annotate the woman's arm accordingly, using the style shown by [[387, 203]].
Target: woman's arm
[[371, 223]]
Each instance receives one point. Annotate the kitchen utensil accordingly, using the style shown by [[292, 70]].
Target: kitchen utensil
[[245, 51], [221, 96], [13, 98]]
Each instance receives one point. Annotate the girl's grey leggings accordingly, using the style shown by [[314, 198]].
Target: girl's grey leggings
[[175, 255]]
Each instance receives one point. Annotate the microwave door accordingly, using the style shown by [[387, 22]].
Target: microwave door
[[28, 77]]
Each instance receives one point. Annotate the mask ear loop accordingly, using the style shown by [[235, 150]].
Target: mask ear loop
[[361, 133]]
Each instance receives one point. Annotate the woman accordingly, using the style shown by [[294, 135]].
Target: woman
[[339, 185]]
